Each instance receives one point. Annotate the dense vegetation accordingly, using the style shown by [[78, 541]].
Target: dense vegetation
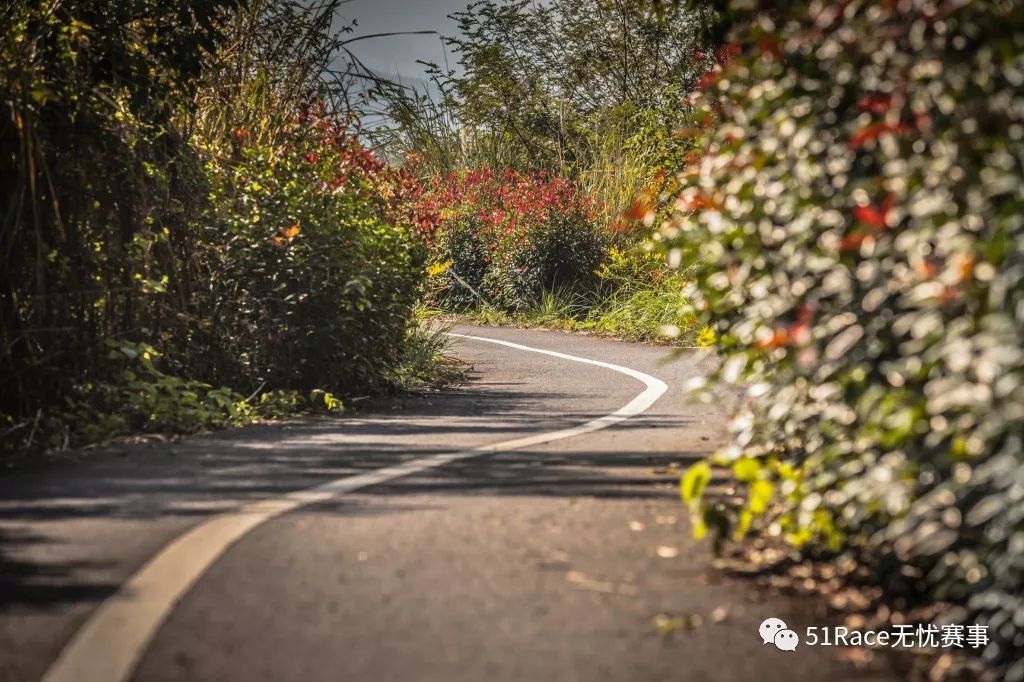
[[544, 154], [858, 211], [188, 219], [504, 239]]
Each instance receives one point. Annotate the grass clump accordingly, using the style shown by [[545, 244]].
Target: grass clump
[[636, 297]]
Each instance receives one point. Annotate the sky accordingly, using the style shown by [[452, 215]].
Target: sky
[[395, 56]]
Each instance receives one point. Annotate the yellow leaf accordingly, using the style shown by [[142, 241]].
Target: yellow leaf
[[287, 234], [692, 485], [760, 495], [436, 269], [746, 469]]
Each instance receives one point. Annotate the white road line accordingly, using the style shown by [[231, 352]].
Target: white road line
[[111, 642]]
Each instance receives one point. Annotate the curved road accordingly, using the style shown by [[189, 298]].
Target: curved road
[[524, 527]]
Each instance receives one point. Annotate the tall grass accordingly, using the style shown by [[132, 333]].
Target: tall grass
[[650, 311], [424, 125], [629, 159], [653, 312], [425, 362]]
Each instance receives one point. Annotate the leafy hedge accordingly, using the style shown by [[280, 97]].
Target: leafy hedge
[[859, 210]]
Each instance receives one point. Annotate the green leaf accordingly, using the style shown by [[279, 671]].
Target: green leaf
[[746, 469], [694, 481], [761, 493]]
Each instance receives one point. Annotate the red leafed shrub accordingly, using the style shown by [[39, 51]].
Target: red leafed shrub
[[398, 190], [510, 235]]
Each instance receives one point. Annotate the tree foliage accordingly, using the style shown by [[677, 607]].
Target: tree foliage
[[543, 76], [552, 86], [91, 166]]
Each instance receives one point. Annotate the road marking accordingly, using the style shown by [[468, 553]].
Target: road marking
[[111, 642]]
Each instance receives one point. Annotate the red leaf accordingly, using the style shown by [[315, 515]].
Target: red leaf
[[779, 337], [871, 215], [770, 46], [693, 202], [707, 80], [875, 215], [965, 268], [727, 52], [926, 269], [877, 103], [851, 242], [874, 131], [638, 209]]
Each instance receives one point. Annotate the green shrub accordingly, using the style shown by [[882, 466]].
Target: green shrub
[[312, 282], [140, 397], [860, 211], [641, 298], [561, 251], [461, 249]]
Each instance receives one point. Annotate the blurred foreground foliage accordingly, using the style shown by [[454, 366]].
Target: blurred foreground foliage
[[859, 211], [186, 178]]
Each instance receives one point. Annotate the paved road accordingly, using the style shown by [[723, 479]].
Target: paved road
[[363, 549]]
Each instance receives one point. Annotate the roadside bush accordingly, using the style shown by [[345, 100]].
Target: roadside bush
[[313, 275], [511, 236], [859, 210], [179, 177], [464, 259], [137, 397], [641, 298], [96, 185], [559, 252]]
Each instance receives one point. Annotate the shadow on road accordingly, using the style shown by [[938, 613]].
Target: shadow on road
[[209, 474], [36, 584], [608, 474]]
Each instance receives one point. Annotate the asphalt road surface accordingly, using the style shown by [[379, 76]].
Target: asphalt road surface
[[524, 527]]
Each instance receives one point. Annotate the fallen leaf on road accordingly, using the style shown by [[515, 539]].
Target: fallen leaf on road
[[585, 582], [636, 525], [666, 552], [719, 614], [666, 624], [554, 561]]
